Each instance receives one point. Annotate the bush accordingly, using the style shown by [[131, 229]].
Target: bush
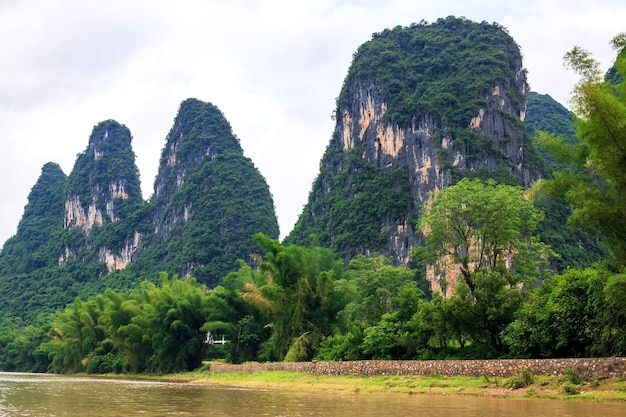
[[520, 379], [570, 390], [573, 376]]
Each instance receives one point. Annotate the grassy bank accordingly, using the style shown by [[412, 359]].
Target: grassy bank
[[565, 387]]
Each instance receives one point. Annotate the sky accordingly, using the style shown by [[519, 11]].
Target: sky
[[273, 67]]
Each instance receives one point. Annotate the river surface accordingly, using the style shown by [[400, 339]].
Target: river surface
[[49, 395]]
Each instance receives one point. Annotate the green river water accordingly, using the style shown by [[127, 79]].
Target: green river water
[[51, 395]]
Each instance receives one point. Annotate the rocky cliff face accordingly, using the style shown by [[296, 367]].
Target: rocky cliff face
[[103, 190], [429, 125]]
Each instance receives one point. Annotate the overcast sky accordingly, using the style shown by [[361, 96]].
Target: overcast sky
[[274, 68]]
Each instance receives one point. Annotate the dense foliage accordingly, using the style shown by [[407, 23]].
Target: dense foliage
[[575, 246], [594, 182], [40, 227], [548, 115], [445, 69], [153, 329], [210, 200], [361, 196]]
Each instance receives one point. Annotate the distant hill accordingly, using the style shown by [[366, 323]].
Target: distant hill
[[546, 114]]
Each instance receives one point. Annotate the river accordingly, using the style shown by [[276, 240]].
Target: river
[[44, 395]]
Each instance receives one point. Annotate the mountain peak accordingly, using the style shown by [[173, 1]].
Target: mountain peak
[[421, 107]]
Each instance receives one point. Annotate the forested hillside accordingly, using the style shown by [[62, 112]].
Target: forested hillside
[[209, 200]]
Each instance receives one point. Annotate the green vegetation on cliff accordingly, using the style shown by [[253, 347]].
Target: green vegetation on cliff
[[210, 200], [36, 243], [445, 69], [348, 218]]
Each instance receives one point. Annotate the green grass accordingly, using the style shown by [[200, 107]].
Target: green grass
[[552, 387]]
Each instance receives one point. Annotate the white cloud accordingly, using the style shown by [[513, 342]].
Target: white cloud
[[273, 67]]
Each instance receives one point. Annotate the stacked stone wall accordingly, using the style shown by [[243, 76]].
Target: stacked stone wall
[[587, 367]]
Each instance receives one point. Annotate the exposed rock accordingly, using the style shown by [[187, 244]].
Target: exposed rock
[[103, 188], [117, 261]]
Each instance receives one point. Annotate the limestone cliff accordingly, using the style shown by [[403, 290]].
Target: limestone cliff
[[421, 107], [103, 190]]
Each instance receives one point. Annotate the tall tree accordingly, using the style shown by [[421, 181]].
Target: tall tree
[[595, 182], [487, 230], [482, 227]]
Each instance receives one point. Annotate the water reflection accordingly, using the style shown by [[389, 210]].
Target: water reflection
[[46, 395]]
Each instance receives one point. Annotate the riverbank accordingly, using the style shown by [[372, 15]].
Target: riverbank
[[569, 387]]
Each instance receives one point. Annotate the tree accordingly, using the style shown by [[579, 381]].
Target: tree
[[483, 227], [377, 319], [154, 329], [171, 323], [487, 229], [294, 291], [595, 182], [581, 312]]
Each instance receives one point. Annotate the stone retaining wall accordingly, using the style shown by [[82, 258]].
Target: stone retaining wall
[[587, 367]]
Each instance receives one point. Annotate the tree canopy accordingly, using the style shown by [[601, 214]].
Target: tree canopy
[[483, 226]]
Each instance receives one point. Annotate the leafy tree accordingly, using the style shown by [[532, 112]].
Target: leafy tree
[[171, 322], [377, 286], [20, 349], [239, 321], [577, 313], [376, 322], [75, 333], [487, 229], [595, 184], [483, 227]]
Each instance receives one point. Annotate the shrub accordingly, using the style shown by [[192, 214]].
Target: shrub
[[520, 379]]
